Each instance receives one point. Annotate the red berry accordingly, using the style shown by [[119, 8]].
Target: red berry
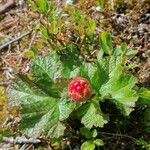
[[79, 89]]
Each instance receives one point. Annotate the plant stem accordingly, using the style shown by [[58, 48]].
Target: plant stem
[[120, 135]]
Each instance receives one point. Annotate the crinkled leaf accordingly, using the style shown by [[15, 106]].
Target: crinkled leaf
[[48, 67], [91, 115], [57, 130], [100, 72], [24, 91], [56, 66], [120, 89], [114, 62], [42, 108], [46, 117], [39, 123], [65, 108], [93, 118], [45, 72], [95, 74], [108, 63], [41, 113], [49, 88]]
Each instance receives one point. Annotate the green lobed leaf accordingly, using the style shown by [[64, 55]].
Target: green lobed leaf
[[88, 145], [65, 108], [94, 133], [41, 113], [119, 88], [91, 115], [48, 67], [38, 127], [47, 70], [44, 112], [51, 67], [88, 133], [95, 74], [24, 91], [100, 72], [42, 108], [46, 117]]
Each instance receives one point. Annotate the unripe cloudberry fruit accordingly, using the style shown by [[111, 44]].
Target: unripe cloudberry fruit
[[79, 89]]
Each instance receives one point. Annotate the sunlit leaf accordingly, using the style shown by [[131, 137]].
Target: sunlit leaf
[[42, 5], [91, 115], [120, 89], [41, 113], [106, 43], [88, 145]]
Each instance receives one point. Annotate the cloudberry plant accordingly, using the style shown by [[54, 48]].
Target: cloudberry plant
[[79, 89]]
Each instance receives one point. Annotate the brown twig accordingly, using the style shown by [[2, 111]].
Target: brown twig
[[119, 135], [14, 40], [7, 5], [21, 140]]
